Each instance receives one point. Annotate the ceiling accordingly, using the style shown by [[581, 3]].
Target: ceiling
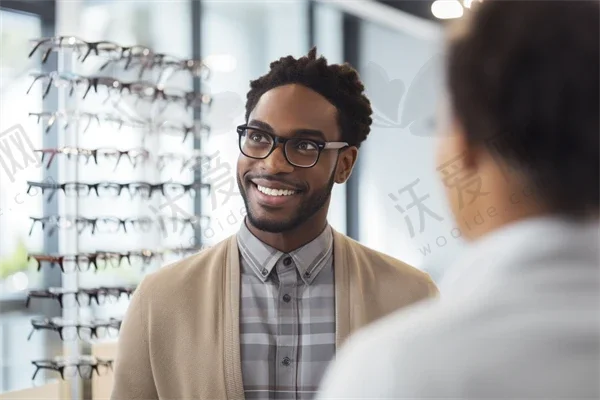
[[419, 8]]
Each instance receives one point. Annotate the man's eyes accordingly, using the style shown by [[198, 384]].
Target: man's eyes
[[306, 145], [257, 136]]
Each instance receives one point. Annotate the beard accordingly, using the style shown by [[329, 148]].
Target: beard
[[309, 207]]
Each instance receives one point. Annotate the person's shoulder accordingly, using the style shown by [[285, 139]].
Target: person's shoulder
[[391, 268], [391, 356]]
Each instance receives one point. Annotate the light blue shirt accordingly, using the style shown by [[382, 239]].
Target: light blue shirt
[[518, 317]]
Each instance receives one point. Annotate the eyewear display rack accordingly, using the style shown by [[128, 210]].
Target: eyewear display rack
[[116, 106]]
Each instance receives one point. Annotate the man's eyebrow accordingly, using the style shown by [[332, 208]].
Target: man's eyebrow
[[309, 132], [255, 123], [296, 132]]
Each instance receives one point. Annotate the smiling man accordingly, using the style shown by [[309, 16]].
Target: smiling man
[[261, 314]]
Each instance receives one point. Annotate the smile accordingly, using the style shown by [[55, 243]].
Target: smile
[[267, 194], [275, 192]]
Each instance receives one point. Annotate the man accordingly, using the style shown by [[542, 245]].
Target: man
[[520, 313], [260, 315]]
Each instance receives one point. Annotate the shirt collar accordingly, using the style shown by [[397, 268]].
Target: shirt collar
[[308, 259]]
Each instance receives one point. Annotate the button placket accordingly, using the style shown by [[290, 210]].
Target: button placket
[[287, 341]]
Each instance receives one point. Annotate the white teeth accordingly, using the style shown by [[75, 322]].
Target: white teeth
[[275, 192]]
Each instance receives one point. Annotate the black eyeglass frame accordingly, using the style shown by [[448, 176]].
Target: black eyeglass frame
[[321, 145]]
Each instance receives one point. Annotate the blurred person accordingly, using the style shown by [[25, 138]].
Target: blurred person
[[261, 314], [519, 314]]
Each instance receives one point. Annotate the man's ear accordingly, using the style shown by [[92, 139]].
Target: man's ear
[[345, 164]]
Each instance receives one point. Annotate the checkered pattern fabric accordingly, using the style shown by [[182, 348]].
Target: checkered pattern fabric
[[287, 317]]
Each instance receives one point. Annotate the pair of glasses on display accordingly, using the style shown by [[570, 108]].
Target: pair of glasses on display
[[71, 330], [182, 162], [74, 117], [82, 297], [143, 190], [111, 88], [68, 368], [99, 261], [113, 224], [96, 225], [302, 152], [104, 156], [133, 56], [169, 128]]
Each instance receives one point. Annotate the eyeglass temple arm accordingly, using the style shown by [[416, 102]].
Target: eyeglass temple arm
[[335, 145]]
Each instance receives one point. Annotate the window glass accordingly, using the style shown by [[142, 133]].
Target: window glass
[[403, 211]]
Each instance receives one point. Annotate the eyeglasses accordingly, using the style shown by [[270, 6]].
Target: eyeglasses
[[135, 55], [70, 263], [59, 80], [114, 89], [69, 367], [81, 297], [144, 190], [69, 117], [182, 161], [113, 224], [165, 62], [167, 189], [300, 152], [110, 155], [96, 225], [84, 49], [102, 120], [71, 330], [66, 263], [170, 128], [79, 189], [100, 260]]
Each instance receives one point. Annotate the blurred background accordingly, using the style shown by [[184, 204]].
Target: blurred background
[[392, 203]]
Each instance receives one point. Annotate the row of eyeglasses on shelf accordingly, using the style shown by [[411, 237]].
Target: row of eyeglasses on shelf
[[101, 260], [135, 56]]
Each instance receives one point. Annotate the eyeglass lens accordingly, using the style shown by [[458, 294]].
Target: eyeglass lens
[[298, 151]]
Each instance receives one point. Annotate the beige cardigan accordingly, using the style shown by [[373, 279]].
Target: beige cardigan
[[180, 337]]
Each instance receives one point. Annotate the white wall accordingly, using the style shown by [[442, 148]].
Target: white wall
[[402, 74]]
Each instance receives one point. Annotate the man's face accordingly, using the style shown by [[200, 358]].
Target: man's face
[[291, 111]]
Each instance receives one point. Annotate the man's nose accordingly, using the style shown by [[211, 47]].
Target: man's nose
[[276, 162]]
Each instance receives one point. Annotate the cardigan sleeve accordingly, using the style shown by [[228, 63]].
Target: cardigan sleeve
[[133, 377]]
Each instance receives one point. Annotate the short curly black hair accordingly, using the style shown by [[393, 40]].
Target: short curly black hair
[[529, 93], [338, 83]]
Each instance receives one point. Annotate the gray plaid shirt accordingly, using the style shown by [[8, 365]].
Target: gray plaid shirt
[[287, 317]]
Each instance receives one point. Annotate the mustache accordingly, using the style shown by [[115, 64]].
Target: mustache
[[274, 178]]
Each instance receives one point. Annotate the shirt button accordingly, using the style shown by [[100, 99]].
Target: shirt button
[[286, 361], [287, 298], [287, 261], [264, 272]]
